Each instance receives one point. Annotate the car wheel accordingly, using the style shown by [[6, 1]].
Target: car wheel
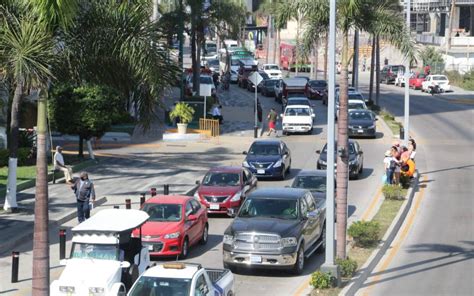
[[361, 169], [318, 166], [205, 235], [283, 174], [323, 239], [184, 249], [299, 264], [289, 168]]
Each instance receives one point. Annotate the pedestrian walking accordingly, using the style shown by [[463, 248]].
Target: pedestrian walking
[[61, 166], [272, 118], [387, 161], [216, 113], [85, 196]]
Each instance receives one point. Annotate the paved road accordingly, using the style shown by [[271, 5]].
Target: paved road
[[434, 253]]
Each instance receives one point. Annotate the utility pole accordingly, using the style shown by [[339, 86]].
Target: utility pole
[[329, 265], [407, 86]]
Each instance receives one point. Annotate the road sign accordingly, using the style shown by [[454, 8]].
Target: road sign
[[205, 90], [255, 78]]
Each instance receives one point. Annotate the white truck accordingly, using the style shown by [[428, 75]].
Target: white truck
[[272, 70], [297, 119], [105, 259], [184, 279]]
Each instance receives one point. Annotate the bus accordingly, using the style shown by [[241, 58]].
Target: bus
[[288, 58]]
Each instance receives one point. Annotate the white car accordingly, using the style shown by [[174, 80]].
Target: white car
[[105, 259], [431, 80], [354, 97], [272, 70], [297, 119], [204, 79], [186, 279]]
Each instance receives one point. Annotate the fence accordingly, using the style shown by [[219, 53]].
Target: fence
[[211, 126]]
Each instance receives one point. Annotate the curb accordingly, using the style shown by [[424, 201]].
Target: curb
[[377, 254], [27, 236]]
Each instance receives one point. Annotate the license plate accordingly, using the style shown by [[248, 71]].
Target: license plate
[[214, 206], [260, 171], [255, 259], [360, 131]]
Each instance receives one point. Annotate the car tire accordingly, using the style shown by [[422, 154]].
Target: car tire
[[318, 166], [205, 235], [299, 264], [361, 169], [184, 249], [323, 239], [283, 174]]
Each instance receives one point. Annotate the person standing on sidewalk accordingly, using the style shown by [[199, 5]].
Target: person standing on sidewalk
[[61, 166], [272, 118], [85, 196]]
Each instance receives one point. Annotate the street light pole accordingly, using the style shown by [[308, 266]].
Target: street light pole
[[407, 85], [329, 265]]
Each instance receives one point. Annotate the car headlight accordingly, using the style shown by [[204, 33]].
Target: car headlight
[[372, 126], [228, 239], [245, 164], [277, 164], [67, 289], [196, 196], [96, 290], [353, 162], [289, 242], [172, 235], [322, 161], [236, 196]]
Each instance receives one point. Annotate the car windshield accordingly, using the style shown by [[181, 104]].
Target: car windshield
[[264, 149], [297, 112], [163, 212], [213, 62], [355, 97], [360, 116], [221, 179], [205, 80], [351, 148], [271, 67], [234, 62], [298, 102], [439, 78], [317, 83], [316, 183], [355, 105], [156, 286], [269, 207], [95, 251], [270, 82]]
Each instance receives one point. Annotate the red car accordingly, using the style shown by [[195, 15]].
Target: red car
[[223, 188], [416, 81], [176, 222]]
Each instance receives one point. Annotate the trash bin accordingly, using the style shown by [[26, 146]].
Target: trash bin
[[402, 132]]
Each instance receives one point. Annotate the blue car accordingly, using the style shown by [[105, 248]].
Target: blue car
[[268, 159]]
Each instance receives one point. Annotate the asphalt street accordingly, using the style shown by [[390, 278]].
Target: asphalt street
[[434, 251]]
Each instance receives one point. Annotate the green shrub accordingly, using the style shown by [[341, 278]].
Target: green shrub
[[321, 280], [348, 267], [392, 191], [365, 233], [182, 111], [25, 156], [4, 157]]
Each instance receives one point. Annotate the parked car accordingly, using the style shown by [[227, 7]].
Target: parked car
[[176, 223], [223, 188], [268, 87], [251, 87], [268, 158], [390, 72], [416, 80], [356, 159], [272, 70], [297, 119], [440, 80], [204, 79], [362, 123], [316, 89], [213, 65], [275, 228], [354, 102], [313, 180], [105, 258], [184, 279]]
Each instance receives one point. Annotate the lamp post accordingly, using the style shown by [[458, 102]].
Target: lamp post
[[329, 265], [407, 89]]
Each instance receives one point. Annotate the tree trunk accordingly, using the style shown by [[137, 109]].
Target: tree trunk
[[342, 158], [276, 46], [297, 49], [326, 46], [80, 153], [372, 66], [40, 283], [194, 56], [269, 28], [278, 61], [377, 70], [316, 58], [10, 199]]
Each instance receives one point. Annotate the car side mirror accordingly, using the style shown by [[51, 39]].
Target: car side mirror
[[124, 264], [231, 212], [244, 153], [198, 182], [376, 119], [191, 218], [318, 151], [312, 115], [361, 152], [286, 153]]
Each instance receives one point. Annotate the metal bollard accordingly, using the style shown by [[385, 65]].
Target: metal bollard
[[62, 243], [116, 207], [166, 189], [128, 204], [402, 133], [15, 261], [153, 191], [142, 199]]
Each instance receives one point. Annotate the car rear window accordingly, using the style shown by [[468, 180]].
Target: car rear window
[[205, 80], [360, 116], [297, 112], [318, 83], [439, 78]]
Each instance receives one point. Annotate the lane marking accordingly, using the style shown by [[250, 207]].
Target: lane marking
[[301, 288], [396, 247], [372, 205]]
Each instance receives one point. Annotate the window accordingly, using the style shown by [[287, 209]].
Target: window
[[189, 208], [303, 207], [201, 288], [310, 201], [163, 212], [196, 205], [247, 174]]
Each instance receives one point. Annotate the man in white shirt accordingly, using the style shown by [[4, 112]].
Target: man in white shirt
[[216, 113], [60, 165]]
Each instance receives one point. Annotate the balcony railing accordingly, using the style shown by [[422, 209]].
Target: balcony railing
[[456, 42]]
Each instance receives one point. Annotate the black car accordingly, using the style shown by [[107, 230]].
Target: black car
[[390, 72], [251, 87], [268, 87], [362, 123], [275, 228], [356, 159], [314, 180], [316, 89], [268, 158]]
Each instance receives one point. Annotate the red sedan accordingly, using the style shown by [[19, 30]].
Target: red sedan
[[416, 81], [223, 188], [176, 223]]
